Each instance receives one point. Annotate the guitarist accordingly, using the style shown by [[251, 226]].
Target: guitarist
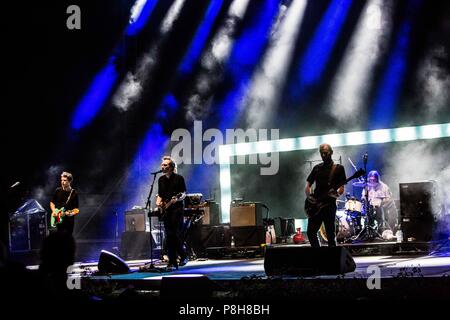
[[172, 188], [324, 175], [65, 197]]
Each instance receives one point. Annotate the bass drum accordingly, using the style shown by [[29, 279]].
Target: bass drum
[[347, 226]]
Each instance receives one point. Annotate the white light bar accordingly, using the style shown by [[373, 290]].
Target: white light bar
[[312, 142]]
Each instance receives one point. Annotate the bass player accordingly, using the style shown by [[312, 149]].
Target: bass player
[[324, 175]]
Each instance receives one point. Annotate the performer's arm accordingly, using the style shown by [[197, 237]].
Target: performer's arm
[[307, 188], [341, 190], [159, 201], [52, 207]]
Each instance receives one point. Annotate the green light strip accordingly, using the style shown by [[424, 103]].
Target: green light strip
[[433, 131]]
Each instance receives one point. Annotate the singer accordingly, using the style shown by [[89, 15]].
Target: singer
[[171, 193]]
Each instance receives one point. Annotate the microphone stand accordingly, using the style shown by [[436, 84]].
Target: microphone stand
[[150, 267], [367, 232]]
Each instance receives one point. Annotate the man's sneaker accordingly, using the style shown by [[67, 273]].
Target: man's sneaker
[[171, 267], [184, 261]]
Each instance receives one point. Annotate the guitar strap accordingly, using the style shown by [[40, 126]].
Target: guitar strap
[[68, 198], [333, 169]]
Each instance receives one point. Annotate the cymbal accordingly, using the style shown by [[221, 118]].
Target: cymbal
[[359, 184]]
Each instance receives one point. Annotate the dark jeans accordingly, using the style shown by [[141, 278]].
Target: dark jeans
[[328, 216], [66, 226], [173, 225]]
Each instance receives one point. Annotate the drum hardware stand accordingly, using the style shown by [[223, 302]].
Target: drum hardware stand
[[367, 233]]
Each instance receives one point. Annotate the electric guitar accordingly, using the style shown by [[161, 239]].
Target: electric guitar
[[166, 205], [314, 204], [58, 215]]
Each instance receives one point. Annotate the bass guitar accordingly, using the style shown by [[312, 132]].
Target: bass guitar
[[314, 204], [59, 214]]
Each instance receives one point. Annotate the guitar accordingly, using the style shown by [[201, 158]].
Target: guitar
[[314, 204], [59, 214], [166, 205]]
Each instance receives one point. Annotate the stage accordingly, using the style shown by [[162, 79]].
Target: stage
[[409, 271]]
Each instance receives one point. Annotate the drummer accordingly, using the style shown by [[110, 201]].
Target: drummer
[[380, 197]]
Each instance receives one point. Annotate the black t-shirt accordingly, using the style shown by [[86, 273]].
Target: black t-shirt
[[170, 187], [320, 175], [60, 198]]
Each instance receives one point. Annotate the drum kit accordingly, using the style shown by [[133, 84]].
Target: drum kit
[[356, 222]]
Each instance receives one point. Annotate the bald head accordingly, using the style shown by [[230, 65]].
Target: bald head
[[326, 152]]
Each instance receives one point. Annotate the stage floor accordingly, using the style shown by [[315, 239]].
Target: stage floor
[[403, 275], [402, 264]]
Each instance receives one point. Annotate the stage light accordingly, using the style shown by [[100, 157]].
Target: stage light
[[100, 88], [312, 142], [405, 134], [383, 110], [131, 87], [336, 140], [213, 59], [308, 142], [355, 138], [200, 37], [431, 131], [317, 55], [380, 136], [265, 88], [353, 79], [95, 97], [140, 12]]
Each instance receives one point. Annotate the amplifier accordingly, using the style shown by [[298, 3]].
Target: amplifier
[[211, 214], [246, 214], [253, 236], [417, 199], [135, 220]]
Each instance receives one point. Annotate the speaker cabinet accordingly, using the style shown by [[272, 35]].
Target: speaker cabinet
[[253, 236], [417, 199], [211, 214], [136, 245], [110, 263], [417, 229], [201, 237], [307, 261], [416, 210], [135, 220], [246, 214], [27, 231]]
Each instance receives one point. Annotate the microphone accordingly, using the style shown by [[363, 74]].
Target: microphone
[[15, 184], [156, 172]]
